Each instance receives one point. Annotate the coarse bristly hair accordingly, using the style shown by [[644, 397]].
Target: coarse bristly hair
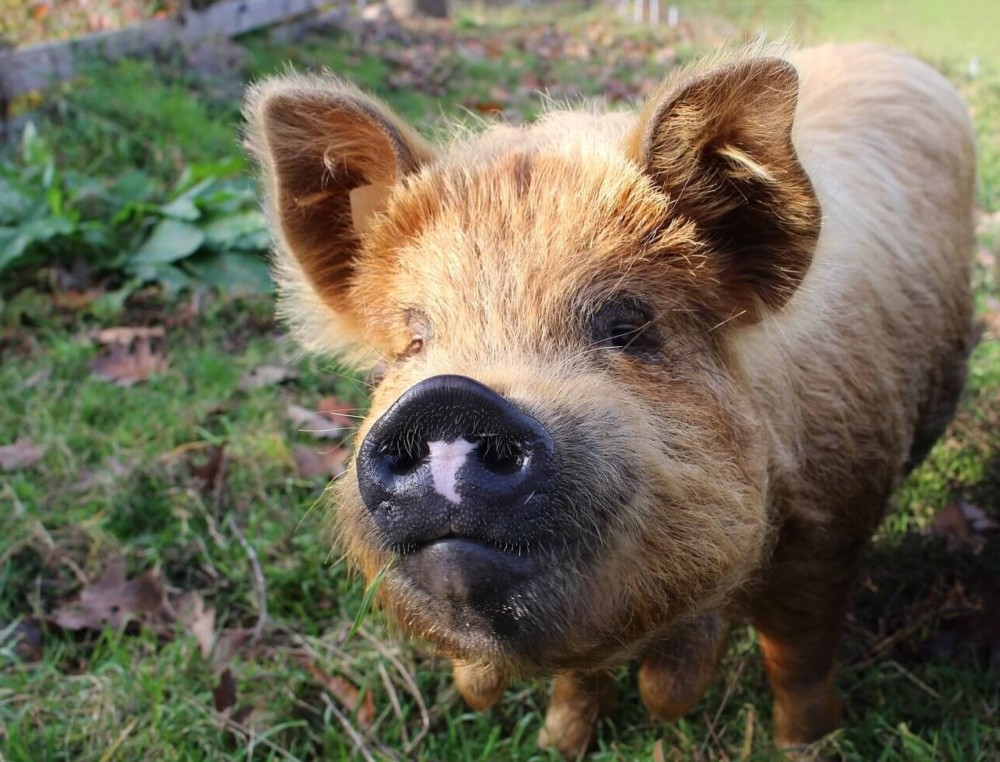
[[796, 228]]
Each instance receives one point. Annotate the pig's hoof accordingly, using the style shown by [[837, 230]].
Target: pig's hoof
[[567, 732], [481, 687], [579, 700]]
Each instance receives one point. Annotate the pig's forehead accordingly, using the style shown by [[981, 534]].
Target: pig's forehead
[[538, 217], [537, 201]]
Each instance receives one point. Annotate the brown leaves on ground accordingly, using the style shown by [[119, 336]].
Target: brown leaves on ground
[[345, 692], [991, 318], [129, 355], [24, 638], [332, 419], [605, 58], [20, 455], [142, 602], [210, 471], [963, 526], [216, 648], [266, 375], [312, 463], [314, 423], [118, 602]]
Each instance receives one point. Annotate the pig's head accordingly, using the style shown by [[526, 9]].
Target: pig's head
[[559, 461]]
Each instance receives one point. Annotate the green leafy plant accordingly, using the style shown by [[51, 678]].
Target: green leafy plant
[[206, 229]]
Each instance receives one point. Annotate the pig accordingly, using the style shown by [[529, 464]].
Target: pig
[[644, 374]]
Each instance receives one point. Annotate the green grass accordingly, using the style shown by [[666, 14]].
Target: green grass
[[116, 478]]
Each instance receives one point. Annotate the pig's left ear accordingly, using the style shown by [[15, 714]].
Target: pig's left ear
[[330, 156], [720, 147]]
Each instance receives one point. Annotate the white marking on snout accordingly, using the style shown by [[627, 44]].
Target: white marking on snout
[[445, 460]]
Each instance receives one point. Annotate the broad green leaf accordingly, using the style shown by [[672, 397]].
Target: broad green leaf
[[14, 204], [170, 241], [14, 241], [246, 231], [181, 208], [232, 272], [133, 187]]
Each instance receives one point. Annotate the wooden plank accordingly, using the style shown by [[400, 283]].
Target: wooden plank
[[39, 66]]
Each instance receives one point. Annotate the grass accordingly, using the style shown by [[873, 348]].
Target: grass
[[116, 477]]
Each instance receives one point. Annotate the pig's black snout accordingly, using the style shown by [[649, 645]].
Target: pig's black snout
[[452, 458]]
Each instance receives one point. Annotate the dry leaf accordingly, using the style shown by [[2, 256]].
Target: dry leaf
[[991, 317], [130, 355], [114, 601], [224, 694], [113, 471], [210, 472], [312, 464], [197, 616], [266, 375], [963, 525], [76, 300], [345, 692], [316, 424], [338, 412], [219, 649], [22, 454], [25, 639]]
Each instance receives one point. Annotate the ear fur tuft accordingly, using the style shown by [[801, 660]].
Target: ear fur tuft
[[316, 140]]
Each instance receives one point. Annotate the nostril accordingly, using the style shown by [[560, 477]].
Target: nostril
[[403, 458], [500, 455]]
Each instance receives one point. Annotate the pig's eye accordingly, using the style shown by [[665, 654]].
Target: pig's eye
[[415, 347], [625, 324]]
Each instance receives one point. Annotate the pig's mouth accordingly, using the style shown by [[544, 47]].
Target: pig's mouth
[[474, 586], [473, 597]]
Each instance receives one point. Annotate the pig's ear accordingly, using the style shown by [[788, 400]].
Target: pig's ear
[[330, 156], [720, 147]]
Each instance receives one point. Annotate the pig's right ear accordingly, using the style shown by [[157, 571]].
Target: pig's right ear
[[719, 144], [330, 156]]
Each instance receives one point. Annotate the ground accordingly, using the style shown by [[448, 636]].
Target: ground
[[204, 479]]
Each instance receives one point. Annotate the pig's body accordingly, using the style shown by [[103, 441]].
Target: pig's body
[[648, 374], [849, 388]]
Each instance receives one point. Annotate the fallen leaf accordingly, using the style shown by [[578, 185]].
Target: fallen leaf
[[266, 375], [337, 412], [345, 692], [20, 455], [224, 693], [113, 471], [313, 463], [963, 525], [211, 471], [991, 317], [24, 638], [76, 300], [316, 424], [114, 601], [488, 107], [129, 355], [199, 618]]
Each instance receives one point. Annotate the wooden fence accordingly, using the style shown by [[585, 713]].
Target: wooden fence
[[38, 66]]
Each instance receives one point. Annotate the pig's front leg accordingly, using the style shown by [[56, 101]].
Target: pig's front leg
[[579, 700], [677, 671], [480, 686], [799, 618]]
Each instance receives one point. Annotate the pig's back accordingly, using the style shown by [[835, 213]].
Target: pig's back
[[860, 372]]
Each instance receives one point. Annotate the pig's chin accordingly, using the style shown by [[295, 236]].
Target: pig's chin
[[474, 586], [475, 600]]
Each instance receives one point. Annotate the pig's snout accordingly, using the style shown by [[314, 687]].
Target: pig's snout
[[453, 459]]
